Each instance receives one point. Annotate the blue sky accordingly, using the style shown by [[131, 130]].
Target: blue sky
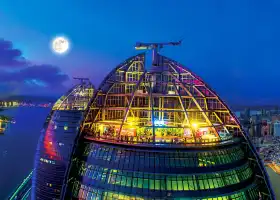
[[232, 45]]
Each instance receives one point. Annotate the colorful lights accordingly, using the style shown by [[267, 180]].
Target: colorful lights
[[132, 121], [159, 123], [195, 125]]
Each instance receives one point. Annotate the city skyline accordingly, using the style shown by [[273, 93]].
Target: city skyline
[[233, 41]]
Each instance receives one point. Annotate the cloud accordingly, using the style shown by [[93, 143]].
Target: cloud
[[50, 75], [28, 79], [10, 57]]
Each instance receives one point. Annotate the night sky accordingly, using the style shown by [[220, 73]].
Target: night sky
[[232, 45]]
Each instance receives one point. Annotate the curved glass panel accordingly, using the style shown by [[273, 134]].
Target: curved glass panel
[[133, 159], [75, 99], [56, 142]]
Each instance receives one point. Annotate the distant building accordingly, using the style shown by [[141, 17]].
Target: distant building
[[275, 118], [247, 114], [256, 126], [266, 127], [277, 128]]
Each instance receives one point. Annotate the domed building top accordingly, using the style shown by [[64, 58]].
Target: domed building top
[[76, 98], [167, 104]]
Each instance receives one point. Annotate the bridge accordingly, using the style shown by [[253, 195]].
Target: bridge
[[23, 191]]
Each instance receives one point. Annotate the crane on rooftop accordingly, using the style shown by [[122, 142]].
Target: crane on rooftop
[[155, 47], [158, 46]]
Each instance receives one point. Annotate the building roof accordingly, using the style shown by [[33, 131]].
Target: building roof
[[76, 98], [167, 98]]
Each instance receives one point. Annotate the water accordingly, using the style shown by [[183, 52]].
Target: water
[[275, 181], [18, 145]]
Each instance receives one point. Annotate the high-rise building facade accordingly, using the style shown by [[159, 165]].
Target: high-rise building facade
[[57, 140], [162, 133], [277, 128]]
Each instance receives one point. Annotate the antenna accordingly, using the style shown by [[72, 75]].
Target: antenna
[[155, 47], [83, 80]]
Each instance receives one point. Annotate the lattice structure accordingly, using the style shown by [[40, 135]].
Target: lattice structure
[[75, 99], [168, 104]]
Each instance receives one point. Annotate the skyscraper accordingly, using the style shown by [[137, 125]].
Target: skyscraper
[[57, 140], [162, 133]]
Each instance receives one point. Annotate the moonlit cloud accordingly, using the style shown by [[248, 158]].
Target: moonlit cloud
[[28, 79], [10, 57]]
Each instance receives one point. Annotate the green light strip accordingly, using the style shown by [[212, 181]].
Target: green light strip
[[25, 181], [25, 197]]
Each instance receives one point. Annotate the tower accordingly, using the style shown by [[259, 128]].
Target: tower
[[57, 139], [162, 134]]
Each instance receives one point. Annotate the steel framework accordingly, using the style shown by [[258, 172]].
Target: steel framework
[[76, 98], [167, 97], [168, 104]]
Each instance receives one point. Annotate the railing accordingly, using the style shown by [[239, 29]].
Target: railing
[[133, 140], [23, 189]]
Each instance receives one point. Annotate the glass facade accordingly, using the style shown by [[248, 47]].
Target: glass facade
[[162, 133], [157, 173], [56, 143]]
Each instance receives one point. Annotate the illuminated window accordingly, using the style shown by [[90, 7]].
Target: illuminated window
[[49, 184]]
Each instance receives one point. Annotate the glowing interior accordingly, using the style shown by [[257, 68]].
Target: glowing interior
[[167, 104]]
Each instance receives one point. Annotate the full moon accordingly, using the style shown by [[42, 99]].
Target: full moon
[[60, 45]]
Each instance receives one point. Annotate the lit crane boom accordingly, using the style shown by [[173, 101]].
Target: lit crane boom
[[143, 46], [155, 47]]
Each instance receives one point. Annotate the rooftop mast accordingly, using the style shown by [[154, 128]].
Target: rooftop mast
[[155, 47]]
